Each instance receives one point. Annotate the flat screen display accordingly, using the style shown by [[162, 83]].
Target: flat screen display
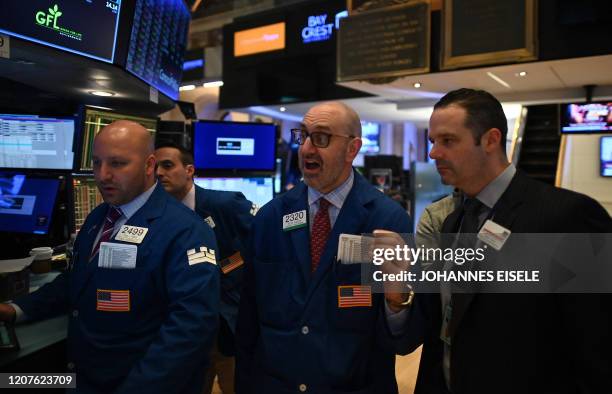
[[158, 42], [370, 137], [259, 39], [593, 117], [605, 156], [259, 190], [26, 203], [234, 146], [84, 27], [31, 141]]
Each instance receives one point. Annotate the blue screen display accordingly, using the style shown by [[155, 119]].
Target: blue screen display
[[234, 146], [370, 137], [606, 156], [26, 203]]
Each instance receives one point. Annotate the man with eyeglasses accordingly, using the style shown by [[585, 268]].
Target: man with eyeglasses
[[306, 323]]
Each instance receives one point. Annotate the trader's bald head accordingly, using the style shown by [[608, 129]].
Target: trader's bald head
[[123, 161]]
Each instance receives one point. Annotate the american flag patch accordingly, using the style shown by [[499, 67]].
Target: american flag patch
[[113, 300], [231, 263], [201, 255], [351, 296]]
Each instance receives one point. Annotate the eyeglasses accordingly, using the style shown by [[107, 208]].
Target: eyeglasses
[[317, 138]]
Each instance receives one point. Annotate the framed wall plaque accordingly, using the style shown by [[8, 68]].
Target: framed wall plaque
[[482, 32], [386, 42]]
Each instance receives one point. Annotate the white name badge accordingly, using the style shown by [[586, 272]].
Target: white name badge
[[117, 256], [209, 220], [493, 234], [295, 220], [131, 234]]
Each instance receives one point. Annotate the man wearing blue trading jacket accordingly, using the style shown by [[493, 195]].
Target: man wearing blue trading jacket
[[306, 323], [143, 292], [230, 215]]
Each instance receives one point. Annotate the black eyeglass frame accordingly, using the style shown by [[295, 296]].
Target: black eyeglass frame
[[299, 136]]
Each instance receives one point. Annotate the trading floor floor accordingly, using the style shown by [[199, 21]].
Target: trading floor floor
[[406, 368]]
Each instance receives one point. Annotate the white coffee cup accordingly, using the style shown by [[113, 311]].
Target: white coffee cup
[[42, 259]]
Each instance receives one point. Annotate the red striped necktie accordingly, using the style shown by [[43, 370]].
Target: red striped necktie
[[112, 216], [321, 227]]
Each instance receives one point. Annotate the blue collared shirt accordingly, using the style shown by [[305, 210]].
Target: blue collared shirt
[[128, 210], [336, 198]]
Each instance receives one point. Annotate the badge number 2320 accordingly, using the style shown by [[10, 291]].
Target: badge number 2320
[[294, 220]]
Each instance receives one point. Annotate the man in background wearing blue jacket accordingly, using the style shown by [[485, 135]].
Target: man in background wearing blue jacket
[[143, 292], [306, 321], [229, 214]]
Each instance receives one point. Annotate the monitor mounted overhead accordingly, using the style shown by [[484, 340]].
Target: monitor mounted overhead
[[584, 118], [158, 42], [259, 39], [87, 28]]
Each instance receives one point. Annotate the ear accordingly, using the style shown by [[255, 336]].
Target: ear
[[353, 148], [150, 165], [190, 170], [491, 140]]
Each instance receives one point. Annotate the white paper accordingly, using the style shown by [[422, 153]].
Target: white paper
[[117, 256], [15, 265]]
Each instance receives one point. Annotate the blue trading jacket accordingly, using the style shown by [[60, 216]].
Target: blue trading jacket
[[160, 344], [231, 215], [292, 335]]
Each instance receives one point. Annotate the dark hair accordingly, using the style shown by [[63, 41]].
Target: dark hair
[[186, 156], [483, 110]]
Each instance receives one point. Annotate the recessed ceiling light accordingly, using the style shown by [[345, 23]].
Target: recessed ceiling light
[[102, 93], [187, 87], [417, 85], [213, 84], [283, 109], [102, 108], [521, 74], [498, 80]]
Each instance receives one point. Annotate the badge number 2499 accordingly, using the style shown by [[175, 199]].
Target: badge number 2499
[[131, 234]]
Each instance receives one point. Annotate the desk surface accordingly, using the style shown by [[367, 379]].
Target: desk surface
[[39, 335]]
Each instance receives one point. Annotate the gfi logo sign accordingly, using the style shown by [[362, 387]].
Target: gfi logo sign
[[46, 19], [49, 20]]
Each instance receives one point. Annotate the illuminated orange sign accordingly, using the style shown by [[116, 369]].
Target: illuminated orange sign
[[260, 39]]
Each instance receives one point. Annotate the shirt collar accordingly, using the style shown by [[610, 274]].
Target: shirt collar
[[190, 198], [494, 190], [337, 196], [131, 207]]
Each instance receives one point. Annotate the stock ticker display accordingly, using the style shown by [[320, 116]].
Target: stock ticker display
[[158, 42]]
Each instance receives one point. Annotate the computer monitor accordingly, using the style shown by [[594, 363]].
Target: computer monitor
[[370, 137], [259, 190], [234, 146], [605, 156], [583, 118], [26, 203], [86, 28], [36, 142], [158, 42]]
